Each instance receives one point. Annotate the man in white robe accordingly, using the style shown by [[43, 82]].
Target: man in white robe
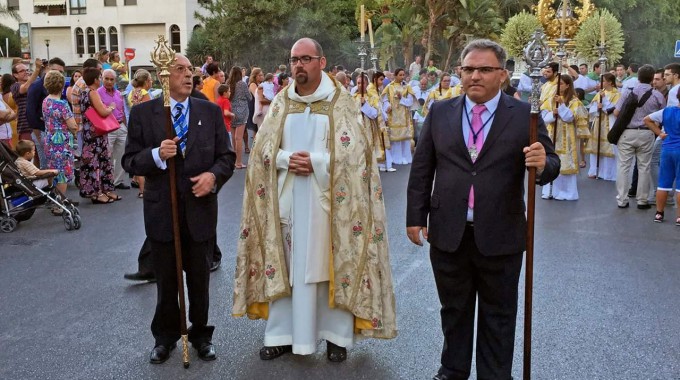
[[303, 164], [312, 186]]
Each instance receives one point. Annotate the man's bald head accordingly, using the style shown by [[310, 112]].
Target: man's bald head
[[312, 42], [181, 81]]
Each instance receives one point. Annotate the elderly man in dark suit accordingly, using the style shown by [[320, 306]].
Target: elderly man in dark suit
[[478, 148], [204, 162]]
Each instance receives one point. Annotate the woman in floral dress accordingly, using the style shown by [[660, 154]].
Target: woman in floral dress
[[60, 129], [96, 171]]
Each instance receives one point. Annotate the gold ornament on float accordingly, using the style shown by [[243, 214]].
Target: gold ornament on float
[[551, 15]]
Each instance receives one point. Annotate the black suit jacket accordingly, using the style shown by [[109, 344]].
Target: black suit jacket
[[208, 149], [497, 175]]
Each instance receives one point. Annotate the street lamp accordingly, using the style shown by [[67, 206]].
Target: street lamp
[[47, 44]]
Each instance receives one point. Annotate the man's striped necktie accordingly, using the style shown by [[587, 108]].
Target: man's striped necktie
[[181, 127]]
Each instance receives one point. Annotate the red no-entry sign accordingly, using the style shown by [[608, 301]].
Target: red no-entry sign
[[129, 54]]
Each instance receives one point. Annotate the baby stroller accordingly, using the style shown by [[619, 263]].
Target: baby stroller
[[20, 197]]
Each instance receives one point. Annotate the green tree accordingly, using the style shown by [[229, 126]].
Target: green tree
[[649, 27], [473, 19], [518, 32], [587, 38], [14, 43], [261, 32], [402, 28]]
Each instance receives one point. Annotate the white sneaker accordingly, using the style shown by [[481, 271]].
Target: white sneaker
[[382, 169], [391, 170]]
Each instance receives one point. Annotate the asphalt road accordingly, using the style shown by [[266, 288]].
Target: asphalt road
[[606, 302]]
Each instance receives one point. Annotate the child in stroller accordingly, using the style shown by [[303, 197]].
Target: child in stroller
[[41, 178], [21, 196]]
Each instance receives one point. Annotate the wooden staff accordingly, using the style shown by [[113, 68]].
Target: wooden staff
[[599, 125], [536, 55], [163, 56], [529, 273]]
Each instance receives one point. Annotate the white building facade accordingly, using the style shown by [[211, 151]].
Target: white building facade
[[76, 30]]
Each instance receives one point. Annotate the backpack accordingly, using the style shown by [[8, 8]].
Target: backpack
[[628, 108]]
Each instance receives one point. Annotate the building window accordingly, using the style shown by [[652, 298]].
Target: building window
[[59, 10], [91, 48], [174, 39], [78, 7], [113, 38], [101, 37], [130, 2], [80, 41], [13, 5], [109, 3]]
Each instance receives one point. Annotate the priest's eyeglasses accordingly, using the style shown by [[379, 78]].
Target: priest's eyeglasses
[[484, 70], [305, 59]]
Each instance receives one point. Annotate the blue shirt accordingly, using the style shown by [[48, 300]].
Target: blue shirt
[[670, 118], [487, 120], [487, 116]]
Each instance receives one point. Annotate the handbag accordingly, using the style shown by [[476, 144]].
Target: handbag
[[628, 108], [101, 125]]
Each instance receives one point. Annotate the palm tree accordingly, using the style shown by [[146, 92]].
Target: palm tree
[[474, 18], [400, 34], [436, 15]]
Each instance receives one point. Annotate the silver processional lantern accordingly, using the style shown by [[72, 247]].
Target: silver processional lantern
[[537, 55]]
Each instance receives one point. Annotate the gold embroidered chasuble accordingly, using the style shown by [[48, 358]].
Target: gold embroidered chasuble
[[436, 95], [548, 90], [378, 138], [566, 144], [399, 119], [360, 272], [606, 149]]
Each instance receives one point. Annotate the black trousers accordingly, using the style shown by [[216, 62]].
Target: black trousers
[[196, 259], [466, 276], [145, 264]]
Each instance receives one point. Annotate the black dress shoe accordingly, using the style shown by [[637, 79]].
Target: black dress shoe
[[214, 265], [206, 351], [644, 207], [134, 184], [140, 276], [335, 353], [625, 206], [273, 352], [122, 186], [161, 353]]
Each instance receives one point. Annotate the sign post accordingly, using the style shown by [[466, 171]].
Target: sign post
[[129, 56], [677, 49]]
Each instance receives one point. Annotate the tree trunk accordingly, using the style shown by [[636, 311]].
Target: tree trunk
[[408, 52], [430, 29], [450, 52]]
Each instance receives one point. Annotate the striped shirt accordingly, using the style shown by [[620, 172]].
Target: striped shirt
[[78, 89], [20, 99]]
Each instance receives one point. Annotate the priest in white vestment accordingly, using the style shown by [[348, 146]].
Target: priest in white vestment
[[324, 274]]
